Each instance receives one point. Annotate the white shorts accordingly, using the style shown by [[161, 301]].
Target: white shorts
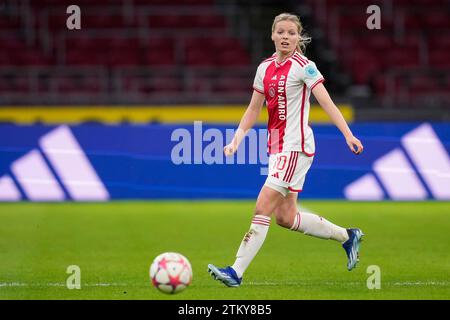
[[287, 171]]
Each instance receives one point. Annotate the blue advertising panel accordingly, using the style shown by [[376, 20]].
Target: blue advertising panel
[[97, 162]]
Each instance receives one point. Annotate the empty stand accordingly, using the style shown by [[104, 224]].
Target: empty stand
[[188, 51], [405, 59], [147, 48]]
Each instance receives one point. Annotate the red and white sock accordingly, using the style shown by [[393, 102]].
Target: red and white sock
[[251, 243], [313, 225]]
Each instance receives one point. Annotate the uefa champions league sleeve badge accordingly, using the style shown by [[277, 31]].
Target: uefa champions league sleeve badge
[[310, 71]]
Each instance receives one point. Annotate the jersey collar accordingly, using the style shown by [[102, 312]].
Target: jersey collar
[[277, 64]]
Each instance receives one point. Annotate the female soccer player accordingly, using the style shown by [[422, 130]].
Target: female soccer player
[[285, 81]]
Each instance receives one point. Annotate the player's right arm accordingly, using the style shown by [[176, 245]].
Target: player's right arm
[[248, 120]]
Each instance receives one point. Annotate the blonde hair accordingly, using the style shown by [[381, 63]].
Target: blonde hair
[[303, 39]]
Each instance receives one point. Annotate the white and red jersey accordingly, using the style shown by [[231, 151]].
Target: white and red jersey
[[287, 88]]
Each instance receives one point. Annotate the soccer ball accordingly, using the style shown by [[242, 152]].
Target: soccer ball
[[171, 272]]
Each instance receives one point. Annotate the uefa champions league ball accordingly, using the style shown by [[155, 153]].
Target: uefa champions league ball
[[171, 272]]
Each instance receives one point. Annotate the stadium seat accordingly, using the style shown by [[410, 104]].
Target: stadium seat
[[439, 59], [159, 85], [403, 56], [78, 85]]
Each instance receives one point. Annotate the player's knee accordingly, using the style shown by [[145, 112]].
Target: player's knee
[[283, 221], [284, 214], [260, 210], [264, 208]]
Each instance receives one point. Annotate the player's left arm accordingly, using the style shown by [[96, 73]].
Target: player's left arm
[[324, 99]]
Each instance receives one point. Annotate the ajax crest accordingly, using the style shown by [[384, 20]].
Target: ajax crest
[[272, 92]]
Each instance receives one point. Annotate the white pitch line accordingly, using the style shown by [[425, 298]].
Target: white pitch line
[[335, 283], [12, 284], [422, 283], [59, 284], [265, 283], [303, 283]]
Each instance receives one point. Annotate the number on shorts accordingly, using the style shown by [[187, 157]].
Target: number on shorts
[[281, 163]]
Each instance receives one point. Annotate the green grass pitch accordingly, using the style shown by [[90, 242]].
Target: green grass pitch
[[114, 244]]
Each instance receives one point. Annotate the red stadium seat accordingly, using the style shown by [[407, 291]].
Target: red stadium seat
[[166, 21], [439, 59], [14, 84], [436, 42], [364, 64], [78, 85], [233, 85], [159, 85], [403, 56], [437, 21], [116, 21], [6, 24], [123, 58], [84, 3], [413, 21], [158, 57], [375, 41], [182, 21], [32, 57], [198, 56], [232, 57], [206, 21], [174, 2]]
